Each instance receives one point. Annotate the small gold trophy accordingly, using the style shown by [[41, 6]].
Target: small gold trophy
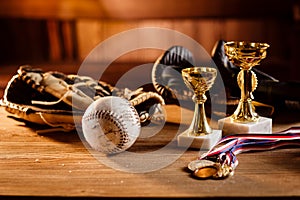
[[245, 120], [199, 134]]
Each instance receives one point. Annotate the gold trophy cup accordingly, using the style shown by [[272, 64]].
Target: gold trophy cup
[[247, 55], [199, 134]]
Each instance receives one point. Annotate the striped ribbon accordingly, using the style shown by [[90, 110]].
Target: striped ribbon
[[226, 150]]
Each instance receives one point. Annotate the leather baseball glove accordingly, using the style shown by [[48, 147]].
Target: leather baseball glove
[[58, 100]]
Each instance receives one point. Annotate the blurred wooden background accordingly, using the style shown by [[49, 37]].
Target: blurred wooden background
[[63, 32]]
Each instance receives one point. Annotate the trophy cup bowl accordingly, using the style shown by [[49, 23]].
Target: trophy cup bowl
[[246, 55], [199, 80]]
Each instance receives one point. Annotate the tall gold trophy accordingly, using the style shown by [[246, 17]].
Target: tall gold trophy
[[245, 120], [199, 134]]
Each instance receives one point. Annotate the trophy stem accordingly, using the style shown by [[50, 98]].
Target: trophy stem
[[199, 125], [245, 111]]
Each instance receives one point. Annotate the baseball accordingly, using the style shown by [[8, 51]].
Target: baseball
[[111, 125]]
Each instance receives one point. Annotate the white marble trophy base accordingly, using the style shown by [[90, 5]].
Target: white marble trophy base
[[263, 125], [199, 142]]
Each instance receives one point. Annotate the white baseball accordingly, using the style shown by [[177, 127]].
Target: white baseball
[[111, 125]]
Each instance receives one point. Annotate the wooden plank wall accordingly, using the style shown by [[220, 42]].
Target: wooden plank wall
[[205, 31], [67, 30]]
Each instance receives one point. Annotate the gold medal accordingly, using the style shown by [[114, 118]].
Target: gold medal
[[204, 169], [205, 172]]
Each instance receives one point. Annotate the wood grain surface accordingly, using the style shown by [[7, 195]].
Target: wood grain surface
[[58, 164]]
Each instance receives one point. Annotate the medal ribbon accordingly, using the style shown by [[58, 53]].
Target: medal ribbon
[[226, 150]]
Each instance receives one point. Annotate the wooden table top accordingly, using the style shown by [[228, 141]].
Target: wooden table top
[[58, 164]]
